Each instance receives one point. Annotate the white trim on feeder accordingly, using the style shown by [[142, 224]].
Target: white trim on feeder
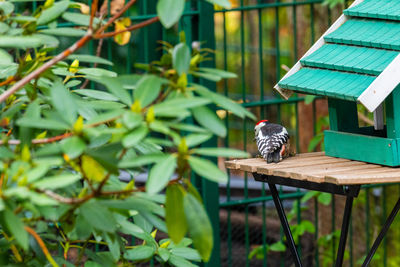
[[382, 86], [285, 93], [378, 118]]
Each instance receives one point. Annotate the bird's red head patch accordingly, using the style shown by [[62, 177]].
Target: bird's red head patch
[[261, 121]]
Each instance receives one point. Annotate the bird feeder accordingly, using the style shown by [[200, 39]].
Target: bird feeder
[[356, 61]]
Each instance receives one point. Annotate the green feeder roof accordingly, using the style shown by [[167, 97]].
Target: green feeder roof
[[357, 59]]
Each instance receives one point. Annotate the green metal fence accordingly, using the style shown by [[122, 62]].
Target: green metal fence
[[254, 39], [270, 34]]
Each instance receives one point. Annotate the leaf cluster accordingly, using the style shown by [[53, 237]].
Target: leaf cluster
[[65, 146]]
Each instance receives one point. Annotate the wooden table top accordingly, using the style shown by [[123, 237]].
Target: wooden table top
[[316, 167]]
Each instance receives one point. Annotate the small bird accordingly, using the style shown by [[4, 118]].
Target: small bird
[[272, 141]]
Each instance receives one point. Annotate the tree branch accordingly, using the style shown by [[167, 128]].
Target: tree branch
[[115, 17], [131, 28], [39, 141], [42, 245], [74, 201], [18, 85], [93, 13]]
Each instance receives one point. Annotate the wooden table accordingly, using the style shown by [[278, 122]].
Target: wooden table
[[315, 171]]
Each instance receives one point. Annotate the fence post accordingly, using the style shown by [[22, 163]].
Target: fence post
[[210, 192]]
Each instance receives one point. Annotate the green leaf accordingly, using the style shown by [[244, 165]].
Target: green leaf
[[5, 153], [207, 169], [163, 253], [325, 198], [179, 104], [132, 120], [16, 228], [114, 86], [187, 253], [278, 247], [224, 102], [106, 116], [174, 214], [90, 59], [309, 99], [73, 146], [5, 57], [63, 102], [92, 264], [96, 94], [80, 19], [220, 73], [223, 3], [148, 89], [186, 127], [181, 58], [207, 76], [221, 152], [308, 196], [82, 227], [37, 172], [64, 31], [208, 119], [315, 141], [170, 11], [160, 174], [98, 216], [57, 181], [97, 72], [141, 160], [197, 139], [47, 124], [180, 261], [135, 136], [199, 226], [139, 253], [48, 40], [6, 8], [21, 42], [53, 12], [135, 203], [3, 27], [113, 245]]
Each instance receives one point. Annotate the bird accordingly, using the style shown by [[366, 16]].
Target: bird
[[272, 141]]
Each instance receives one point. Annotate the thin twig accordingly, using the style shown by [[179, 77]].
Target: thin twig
[[80, 43], [93, 13], [131, 28], [104, 181], [38, 141], [18, 85], [13, 248], [8, 80], [42, 245], [115, 17], [76, 201], [98, 52]]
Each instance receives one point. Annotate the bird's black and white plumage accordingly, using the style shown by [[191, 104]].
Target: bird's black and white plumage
[[272, 141]]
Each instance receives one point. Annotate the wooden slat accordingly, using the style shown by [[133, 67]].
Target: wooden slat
[[269, 170], [317, 167], [297, 172], [237, 163], [320, 176], [372, 178]]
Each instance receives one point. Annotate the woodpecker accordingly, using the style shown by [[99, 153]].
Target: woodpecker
[[272, 141]]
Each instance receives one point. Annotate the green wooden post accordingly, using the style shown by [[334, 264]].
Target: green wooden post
[[210, 192], [343, 115], [393, 114]]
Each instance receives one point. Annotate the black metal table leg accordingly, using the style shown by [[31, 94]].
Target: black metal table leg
[[382, 234], [345, 230], [285, 224]]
